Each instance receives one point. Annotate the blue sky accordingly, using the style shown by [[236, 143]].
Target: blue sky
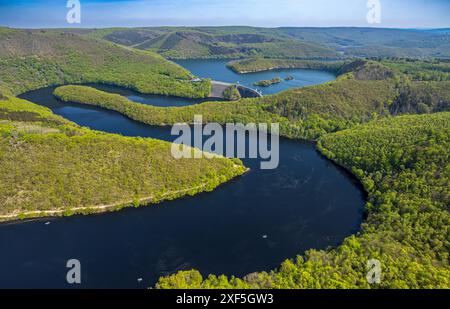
[[269, 13]]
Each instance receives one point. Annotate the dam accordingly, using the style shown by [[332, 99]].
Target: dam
[[217, 89]]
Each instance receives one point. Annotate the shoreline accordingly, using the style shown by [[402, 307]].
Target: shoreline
[[99, 209]]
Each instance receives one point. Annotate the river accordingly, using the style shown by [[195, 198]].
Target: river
[[217, 70], [250, 224]]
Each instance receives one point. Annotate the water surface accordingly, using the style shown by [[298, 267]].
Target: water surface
[[152, 99], [250, 224], [217, 70]]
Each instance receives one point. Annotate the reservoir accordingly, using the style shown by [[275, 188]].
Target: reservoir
[[250, 224], [217, 70]]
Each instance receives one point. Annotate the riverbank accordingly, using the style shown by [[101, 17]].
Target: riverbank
[[401, 161], [53, 167], [217, 232], [254, 65], [402, 168], [97, 209], [218, 70], [388, 199], [233, 111]]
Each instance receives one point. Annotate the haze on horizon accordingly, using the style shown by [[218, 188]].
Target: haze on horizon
[[260, 13]]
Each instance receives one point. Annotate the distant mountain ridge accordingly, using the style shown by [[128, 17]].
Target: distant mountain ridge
[[285, 42]]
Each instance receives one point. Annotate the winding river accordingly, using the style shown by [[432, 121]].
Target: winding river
[[217, 70], [250, 224]]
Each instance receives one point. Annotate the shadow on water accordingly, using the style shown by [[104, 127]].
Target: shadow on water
[[250, 224]]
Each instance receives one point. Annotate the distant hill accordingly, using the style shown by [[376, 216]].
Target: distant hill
[[288, 42], [215, 43], [442, 30]]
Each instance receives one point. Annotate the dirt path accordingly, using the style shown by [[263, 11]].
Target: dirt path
[[97, 209]]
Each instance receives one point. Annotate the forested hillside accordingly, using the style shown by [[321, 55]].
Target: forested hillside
[[31, 59], [364, 91], [54, 167], [403, 163], [51, 166], [304, 43], [265, 64], [374, 42], [421, 70], [181, 43], [242, 111]]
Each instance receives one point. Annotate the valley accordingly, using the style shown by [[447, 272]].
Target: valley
[[84, 118]]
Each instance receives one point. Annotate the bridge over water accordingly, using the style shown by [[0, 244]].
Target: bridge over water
[[219, 87]]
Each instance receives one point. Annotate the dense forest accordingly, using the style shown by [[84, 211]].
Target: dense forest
[[265, 64], [403, 163], [242, 111], [31, 59], [366, 120], [284, 42], [421, 70], [53, 167], [363, 91]]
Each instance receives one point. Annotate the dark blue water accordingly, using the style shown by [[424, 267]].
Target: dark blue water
[[152, 99], [217, 70], [250, 224]]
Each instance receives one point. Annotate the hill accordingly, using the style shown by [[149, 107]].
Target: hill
[[299, 43], [252, 65], [52, 167], [363, 91], [403, 164], [30, 59], [196, 43], [376, 42]]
